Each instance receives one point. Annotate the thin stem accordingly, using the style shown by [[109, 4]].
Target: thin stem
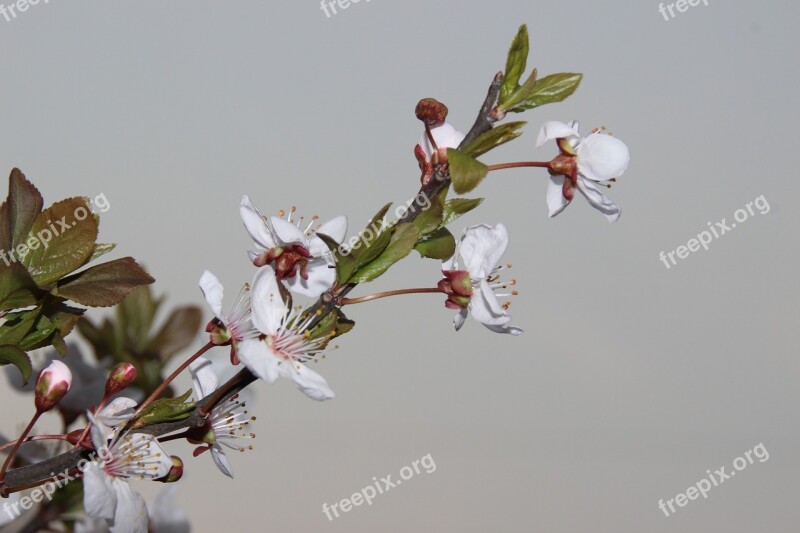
[[89, 424], [521, 164], [33, 438], [19, 442], [362, 299], [161, 388]]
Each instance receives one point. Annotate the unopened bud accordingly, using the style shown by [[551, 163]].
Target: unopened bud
[[432, 112], [52, 385], [175, 473], [120, 378]]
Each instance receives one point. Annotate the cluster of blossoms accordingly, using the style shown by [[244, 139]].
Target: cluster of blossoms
[[269, 334]]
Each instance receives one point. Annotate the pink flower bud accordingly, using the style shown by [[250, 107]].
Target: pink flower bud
[[52, 385], [176, 472], [120, 378]]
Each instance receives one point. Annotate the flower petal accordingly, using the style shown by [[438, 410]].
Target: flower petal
[[312, 384], [255, 225], [481, 248], [511, 330], [213, 292], [486, 308], [257, 357], [287, 232], [131, 513], [321, 277], [99, 496], [221, 460], [602, 157], [8, 516], [335, 228], [460, 318], [446, 136], [204, 379], [556, 202], [120, 410], [598, 200], [268, 307], [555, 130]]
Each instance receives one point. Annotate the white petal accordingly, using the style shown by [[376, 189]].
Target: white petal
[[213, 292], [97, 432], [258, 358], [256, 225], [268, 307], [321, 277], [481, 248], [117, 412], [99, 496], [88, 524], [131, 514], [602, 157], [312, 384], [486, 309], [204, 379], [287, 232], [335, 228], [460, 318], [599, 200], [555, 130], [221, 460], [510, 330], [446, 136], [556, 202]]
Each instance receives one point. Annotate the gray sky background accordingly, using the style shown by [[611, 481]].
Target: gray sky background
[[630, 381]]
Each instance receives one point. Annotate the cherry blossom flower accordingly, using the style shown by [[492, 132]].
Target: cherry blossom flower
[[586, 163], [226, 421], [471, 279], [298, 255], [290, 344], [106, 492]]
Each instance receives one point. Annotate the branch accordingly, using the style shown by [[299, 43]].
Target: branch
[[40, 473]]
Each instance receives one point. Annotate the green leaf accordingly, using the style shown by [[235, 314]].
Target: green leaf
[[466, 172], [17, 326], [64, 243], [345, 263], [178, 331], [17, 289], [438, 245], [366, 250], [24, 203], [430, 218], [550, 89], [135, 318], [515, 64], [101, 250], [494, 138], [377, 220], [402, 242], [166, 410], [457, 207], [104, 285], [12, 355]]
